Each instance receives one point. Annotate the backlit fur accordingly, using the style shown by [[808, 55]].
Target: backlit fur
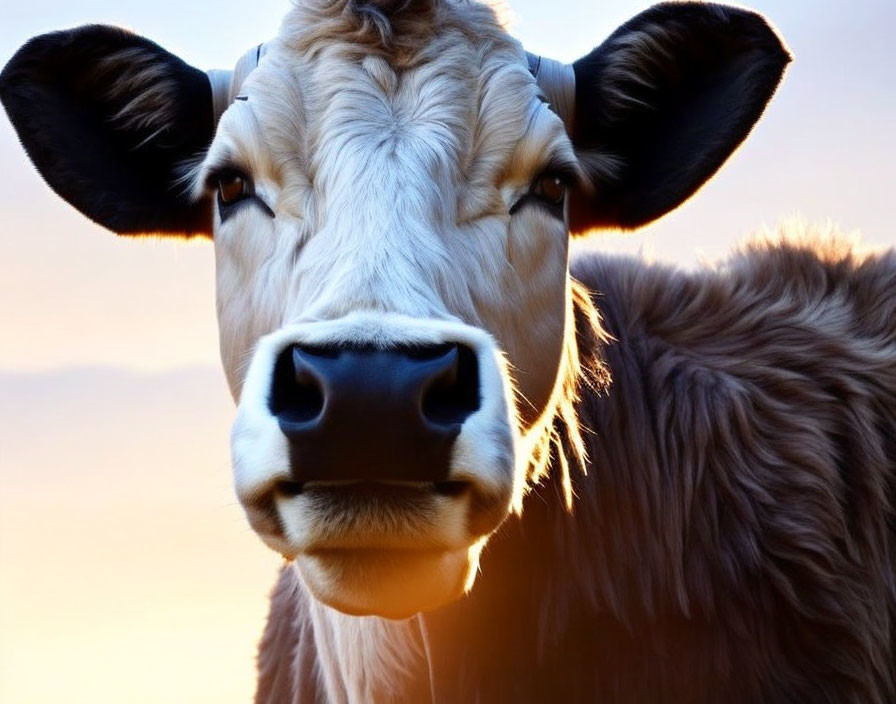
[[733, 538], [737, 493]]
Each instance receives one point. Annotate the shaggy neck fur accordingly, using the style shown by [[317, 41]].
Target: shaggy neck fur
[[733, 536]]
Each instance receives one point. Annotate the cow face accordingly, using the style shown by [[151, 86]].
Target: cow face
[[392, 258], [390, 193]]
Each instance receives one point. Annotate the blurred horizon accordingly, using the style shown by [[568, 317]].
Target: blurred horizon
[[127, 571]]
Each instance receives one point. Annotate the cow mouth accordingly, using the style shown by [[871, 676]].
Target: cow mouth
[[383, 515], [388, 548], [290, 488], [317, 516]]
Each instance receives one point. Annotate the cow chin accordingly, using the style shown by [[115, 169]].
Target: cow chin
[[386, 549], [394, 584]]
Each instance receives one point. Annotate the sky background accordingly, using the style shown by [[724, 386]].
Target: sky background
[[127, 572]]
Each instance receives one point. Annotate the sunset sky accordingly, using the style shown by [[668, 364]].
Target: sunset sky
[[127, 572]]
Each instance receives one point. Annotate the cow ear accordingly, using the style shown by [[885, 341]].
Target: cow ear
[[109, 119], [663, 103]]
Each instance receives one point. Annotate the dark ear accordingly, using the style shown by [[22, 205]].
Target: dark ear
[[662, 104], [108, 118]]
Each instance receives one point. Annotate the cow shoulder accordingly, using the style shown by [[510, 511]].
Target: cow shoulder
[[751, 408]]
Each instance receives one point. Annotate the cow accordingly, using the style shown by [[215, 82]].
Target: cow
[[676, 486]]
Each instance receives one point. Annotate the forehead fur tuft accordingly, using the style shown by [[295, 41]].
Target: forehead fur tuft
[[389, 17], [401, 28]]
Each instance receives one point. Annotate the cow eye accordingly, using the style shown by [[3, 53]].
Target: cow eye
[[548, 191], [233, 187], [550, 188], [235, 191]]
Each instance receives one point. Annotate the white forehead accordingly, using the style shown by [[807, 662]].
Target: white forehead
[[439, 121]]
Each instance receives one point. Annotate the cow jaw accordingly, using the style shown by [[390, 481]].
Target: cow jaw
[[389, 583]]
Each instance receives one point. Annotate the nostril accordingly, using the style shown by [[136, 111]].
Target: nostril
[[296, 392], [426, 353], [452, 395], [364, 412]]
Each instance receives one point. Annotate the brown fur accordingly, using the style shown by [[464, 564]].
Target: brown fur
[[734, 538], [399, 29]]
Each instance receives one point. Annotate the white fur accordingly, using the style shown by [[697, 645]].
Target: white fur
[[363, 659]]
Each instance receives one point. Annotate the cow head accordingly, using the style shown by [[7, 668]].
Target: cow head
[[390, 187]]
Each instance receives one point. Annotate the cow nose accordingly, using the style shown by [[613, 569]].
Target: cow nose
[[373, 414]]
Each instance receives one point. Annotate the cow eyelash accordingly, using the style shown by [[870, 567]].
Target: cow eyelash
[[234, 188]]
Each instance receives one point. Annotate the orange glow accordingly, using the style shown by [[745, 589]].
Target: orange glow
[[128, 571]]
